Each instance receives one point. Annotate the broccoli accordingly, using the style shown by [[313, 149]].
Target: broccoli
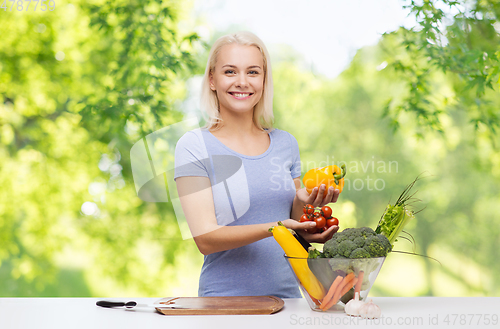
[[352, 250], [338, 256], [387, 244], [345, 248], [366, 231], [357, 243], [343, 265], [359, 253], [375, 246], [332, 245]]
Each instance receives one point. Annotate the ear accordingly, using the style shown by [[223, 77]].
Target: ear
[[211, 79]]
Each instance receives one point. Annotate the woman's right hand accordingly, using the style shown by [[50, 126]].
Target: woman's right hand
[[317, 197]]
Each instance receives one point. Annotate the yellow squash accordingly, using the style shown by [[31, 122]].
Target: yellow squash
[[293, 248]]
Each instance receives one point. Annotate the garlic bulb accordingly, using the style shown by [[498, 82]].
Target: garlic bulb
[[352, 307], [369, 311]]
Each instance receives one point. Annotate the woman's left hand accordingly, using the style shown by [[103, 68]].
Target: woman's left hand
[[319, 237], [316, 197]]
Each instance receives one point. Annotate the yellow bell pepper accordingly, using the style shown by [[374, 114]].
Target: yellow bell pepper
[[329, 175], [293, 248]]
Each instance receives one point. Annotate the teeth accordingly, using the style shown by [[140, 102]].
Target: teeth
[[241, 95]]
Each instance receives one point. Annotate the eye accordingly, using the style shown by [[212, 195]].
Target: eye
[[228, 71], [254, 72]]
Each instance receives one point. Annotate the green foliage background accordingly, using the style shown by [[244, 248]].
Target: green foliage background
[[411, 104]]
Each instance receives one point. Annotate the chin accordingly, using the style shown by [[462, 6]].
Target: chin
[[239, 109]]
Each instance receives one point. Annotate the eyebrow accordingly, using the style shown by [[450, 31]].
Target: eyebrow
[[250, 67]]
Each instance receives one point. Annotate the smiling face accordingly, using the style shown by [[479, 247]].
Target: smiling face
[[238, 78]]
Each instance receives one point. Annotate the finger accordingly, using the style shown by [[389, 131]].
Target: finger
[[307, 236], [335, 195], [322, 238], [334, 229], [306, 225], [329, 195], [319, 196], [328, 234], [313, 195]]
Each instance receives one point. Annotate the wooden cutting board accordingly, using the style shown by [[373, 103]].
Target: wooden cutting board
[[222, 305]]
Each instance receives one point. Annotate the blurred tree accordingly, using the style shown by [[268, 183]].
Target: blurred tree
[[81, 84], [339, 121], [460, 38], [78, 86]]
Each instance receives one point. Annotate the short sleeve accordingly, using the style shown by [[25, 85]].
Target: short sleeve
[[295, 169], [191, 156]]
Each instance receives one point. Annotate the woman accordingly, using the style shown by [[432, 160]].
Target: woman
[[237, 177]]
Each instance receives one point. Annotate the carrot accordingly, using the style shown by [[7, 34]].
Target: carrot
[[331, 291], [348, 286], [357, 289], [349, 277], [329, 303]]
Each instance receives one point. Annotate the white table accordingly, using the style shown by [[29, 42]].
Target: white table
[[415, 312]]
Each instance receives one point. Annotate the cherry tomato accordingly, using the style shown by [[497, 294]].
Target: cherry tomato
[[326, 211], [320, 222], [304, 218], [332, 222], [316, 214], [308, 209]]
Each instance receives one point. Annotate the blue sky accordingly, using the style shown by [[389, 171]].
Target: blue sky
[[326, 32]]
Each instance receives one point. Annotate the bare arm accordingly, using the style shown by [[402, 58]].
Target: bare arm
[[297, 207], [196, 198]]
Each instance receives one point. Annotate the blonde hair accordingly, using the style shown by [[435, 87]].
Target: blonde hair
[[263, 111]]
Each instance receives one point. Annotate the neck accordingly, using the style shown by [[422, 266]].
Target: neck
[[238, 125]]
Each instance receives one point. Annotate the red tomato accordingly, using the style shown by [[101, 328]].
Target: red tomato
[[316, 214], [332, 222], [320, 222], [308, 209], [304, 218], [326, 211]]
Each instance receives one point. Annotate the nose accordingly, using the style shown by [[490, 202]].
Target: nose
[[242, 81]]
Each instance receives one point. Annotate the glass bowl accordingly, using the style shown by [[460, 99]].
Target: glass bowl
[[315, 277]]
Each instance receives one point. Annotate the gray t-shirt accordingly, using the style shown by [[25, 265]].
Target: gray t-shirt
[[246, 190]]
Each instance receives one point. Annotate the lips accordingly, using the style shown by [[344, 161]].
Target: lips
[[239, 95]]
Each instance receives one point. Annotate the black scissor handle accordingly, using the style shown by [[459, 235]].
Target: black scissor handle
[[108, 304]]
